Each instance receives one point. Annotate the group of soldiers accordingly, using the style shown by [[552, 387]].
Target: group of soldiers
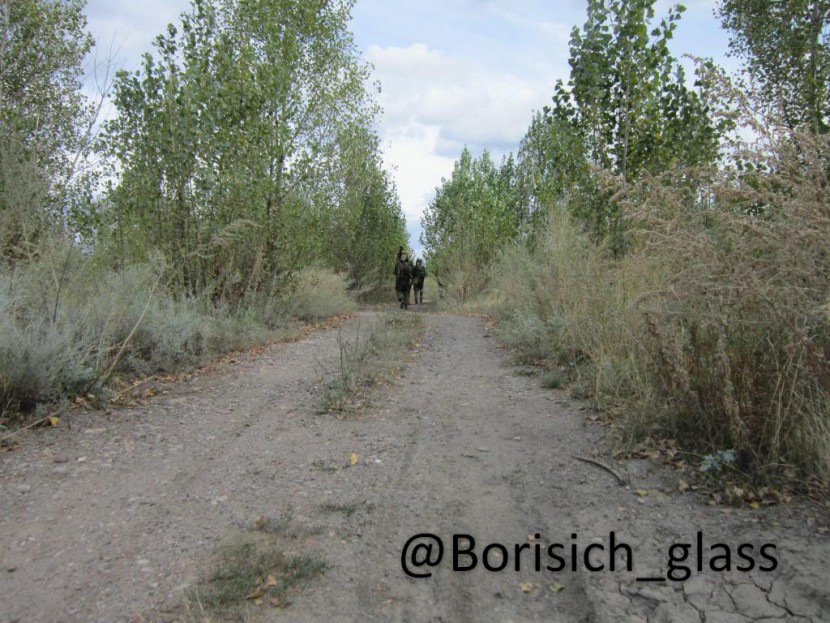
[[408, 277]]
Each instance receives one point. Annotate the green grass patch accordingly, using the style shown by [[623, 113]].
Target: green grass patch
[[347, 509], [554, 379], [264, 566]]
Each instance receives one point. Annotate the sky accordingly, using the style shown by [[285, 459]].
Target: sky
[[453, 73]]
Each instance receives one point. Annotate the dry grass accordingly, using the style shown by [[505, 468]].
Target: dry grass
[[567, 305], [69, 323], [376, 353], [715, 328], [263, 567], [739, 335]]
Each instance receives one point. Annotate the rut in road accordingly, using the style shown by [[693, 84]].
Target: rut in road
[[465, 447], [116, 519]]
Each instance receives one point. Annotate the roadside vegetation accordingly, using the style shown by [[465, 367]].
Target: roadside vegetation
[[237, 189], [377, 353], [262, 567], [662, 247]]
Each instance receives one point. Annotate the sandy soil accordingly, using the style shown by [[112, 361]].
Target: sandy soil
[[115, 519]]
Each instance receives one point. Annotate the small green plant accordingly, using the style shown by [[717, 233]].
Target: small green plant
[[259, 566], [347, 509], [553, 379], [368, 359], [528, 371]]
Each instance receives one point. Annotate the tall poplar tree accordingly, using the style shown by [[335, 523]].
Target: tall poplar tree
[[43, 116], [786, 47], [226, 135]]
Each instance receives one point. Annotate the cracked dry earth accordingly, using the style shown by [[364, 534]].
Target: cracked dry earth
[[115, 519]]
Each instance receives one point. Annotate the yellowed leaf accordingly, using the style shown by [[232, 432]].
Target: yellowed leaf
[[556, 587], [353, 459], [527, 586], [641, 492], [755, 505], [270, 581], [54, 420]]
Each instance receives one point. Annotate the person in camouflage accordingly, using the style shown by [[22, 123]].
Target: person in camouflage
[[419, 273], [403, 278]]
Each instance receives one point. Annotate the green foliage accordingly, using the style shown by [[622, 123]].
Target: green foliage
[[552, 163], [786, 46], [472, 215], [245, 143], [367, 226], [628, 94], [242, 154], [44, 119], [626, 110]]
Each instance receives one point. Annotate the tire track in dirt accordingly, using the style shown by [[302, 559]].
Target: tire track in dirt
[[462, 445]]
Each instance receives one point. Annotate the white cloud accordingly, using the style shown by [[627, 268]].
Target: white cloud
[[434, 104], [469, 102]]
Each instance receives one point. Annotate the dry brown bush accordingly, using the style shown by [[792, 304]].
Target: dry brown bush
[[739, 334], [714, 328]]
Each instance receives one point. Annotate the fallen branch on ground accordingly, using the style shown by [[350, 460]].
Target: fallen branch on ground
[[619, 478]]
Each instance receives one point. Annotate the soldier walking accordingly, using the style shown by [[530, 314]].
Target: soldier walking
[[419, 273], [403, 278]]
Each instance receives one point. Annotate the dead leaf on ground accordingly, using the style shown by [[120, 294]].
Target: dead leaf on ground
[[9, 446], [270, 581], [278, 603], [256, 594], [527, 587], [353, 458], [556, 587]]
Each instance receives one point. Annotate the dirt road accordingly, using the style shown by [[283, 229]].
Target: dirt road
[[115, 519]]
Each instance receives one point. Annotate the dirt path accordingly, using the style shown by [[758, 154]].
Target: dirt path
[[113, 520]]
